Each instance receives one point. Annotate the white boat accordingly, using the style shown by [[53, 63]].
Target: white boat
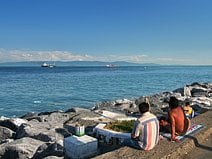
[[48, 65], [52, 65], [45, 64], [110, 65]]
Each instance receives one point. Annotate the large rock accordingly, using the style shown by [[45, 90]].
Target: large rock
[[5, 133], [23, 148], [13, 123], [197, 84], [3, 118], [33, 117], [39, 130], [199, 92], [77, 110], [203, 102], [198, 109], [141, 99], [48, 113], [185, 91], [50, 149], [28, 115], [57, 118], [122, 101]]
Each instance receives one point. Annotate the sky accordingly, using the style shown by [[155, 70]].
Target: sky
[[140, 31]]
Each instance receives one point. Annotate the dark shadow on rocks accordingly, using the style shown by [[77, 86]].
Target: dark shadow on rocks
[[65, 133], [198, 109], [197, 144], [49, 149]]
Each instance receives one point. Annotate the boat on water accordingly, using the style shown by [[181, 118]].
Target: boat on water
[[52, 65], [110, 65], [48, 65], [44, 64]]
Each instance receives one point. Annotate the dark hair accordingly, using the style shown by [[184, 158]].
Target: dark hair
[[143, 107], [187, 103], [162, 118], [173, 102]]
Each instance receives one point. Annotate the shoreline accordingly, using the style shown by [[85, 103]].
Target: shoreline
[[166, 149], [37, 134]]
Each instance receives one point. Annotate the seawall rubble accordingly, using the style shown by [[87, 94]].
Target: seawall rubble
[[40, 135]]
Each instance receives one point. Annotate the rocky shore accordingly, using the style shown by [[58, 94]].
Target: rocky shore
[[41, 135]]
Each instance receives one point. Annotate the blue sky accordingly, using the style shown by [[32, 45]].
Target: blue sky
[[143, 31]]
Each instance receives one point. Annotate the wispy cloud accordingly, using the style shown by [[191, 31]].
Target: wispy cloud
[[128, 58], [29, 55], [174, 60]]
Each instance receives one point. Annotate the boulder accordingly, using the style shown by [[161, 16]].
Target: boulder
[[185, 91], [196, 84], [58, 117], [39, 130], [105, 104], [122, 101], [5, 133], [7, 141], [48, 113], [3, 118], [198, 109], [22, 148], [77, 110], [50, 149], [12, 123], [35, 119], [199, 92], [28, 115], [177, 95], [64, 132], [203, 102], [141, 99]]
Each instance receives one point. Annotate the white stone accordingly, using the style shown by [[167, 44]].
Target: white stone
[[3, 118], [80, 147], [123, 101], [19, 121], [187, 91], [109, 134], [126, 119]]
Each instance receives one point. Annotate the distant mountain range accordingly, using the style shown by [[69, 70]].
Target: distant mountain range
[[77, 63]]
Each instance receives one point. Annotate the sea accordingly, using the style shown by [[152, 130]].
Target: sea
[[38, 89]]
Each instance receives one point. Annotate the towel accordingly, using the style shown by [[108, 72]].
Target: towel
[[191, 130]]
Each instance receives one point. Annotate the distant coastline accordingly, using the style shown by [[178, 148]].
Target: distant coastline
[[78, 63], [84, 64]]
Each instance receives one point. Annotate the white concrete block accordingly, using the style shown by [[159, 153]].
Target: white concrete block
[[79, 147]]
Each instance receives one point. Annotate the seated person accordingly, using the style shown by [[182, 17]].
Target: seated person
[[145, 134], [164, 125], [178, 121], [188, 110]]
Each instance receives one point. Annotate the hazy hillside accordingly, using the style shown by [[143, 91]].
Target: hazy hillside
[[75, 63]]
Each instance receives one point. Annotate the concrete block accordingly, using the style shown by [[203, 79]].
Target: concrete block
[[80, 147]]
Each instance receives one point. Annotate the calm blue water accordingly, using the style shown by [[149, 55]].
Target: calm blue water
[[27, 89]]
